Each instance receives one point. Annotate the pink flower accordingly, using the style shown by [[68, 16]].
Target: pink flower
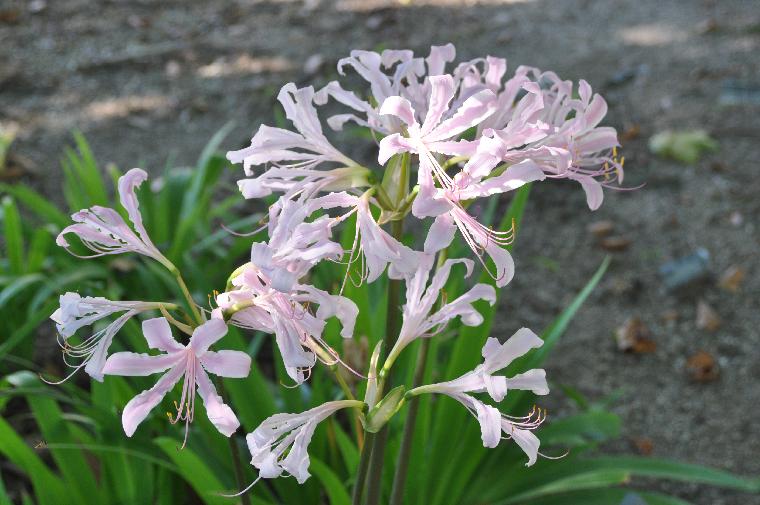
[[193, 362], [255, 304], [104, 231], [390, 73], [574, 146], [496, 357], [374, 245], [75, 312], [300, 152], [420, 319], [280, 443]]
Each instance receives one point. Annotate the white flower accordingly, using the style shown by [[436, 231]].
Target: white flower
[[289, 433], [496, 357]]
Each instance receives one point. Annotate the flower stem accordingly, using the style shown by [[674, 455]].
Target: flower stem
[[235, 454], [183, 287], [392, 327], [404, 453], [361, 472]]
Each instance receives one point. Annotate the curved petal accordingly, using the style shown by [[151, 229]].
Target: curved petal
[[532, 380], [593, 190], [217, 411], [490, 423], [139, 365], [441, 92], [207, 334], [473, 111], [158, 333], [399, 107], [236, 364], [140, 406], [440, 235], [497, 356], [127, 185], [390, 145], [527, 441]]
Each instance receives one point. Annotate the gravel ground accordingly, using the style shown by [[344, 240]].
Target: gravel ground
[[150, 81]]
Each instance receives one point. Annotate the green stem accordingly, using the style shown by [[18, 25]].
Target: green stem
[[235, 453], [186, 293], [392, 327], [402, 462], [361, 472], [404, 454]]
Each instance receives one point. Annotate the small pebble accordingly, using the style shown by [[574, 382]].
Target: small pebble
[[707, 318]]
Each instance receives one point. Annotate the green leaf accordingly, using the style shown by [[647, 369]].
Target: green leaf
[[18, 285], [589, 480], [335, 489], [37, 204], [31, 324], [48, 488], [675, 470], [195, 471], [13, 235], [613, 496], [54, 428]]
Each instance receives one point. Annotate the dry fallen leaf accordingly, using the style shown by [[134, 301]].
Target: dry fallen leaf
[[732, 278], [707, 318], [702, 367], [643, 445], [669, 316], [601, 229], [615, 244], [633, 336]]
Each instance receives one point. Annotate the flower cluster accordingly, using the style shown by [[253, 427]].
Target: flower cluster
[[448, 136]]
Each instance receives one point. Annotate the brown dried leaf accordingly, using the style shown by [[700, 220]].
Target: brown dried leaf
[[643, 445], [633, 336], [615, 244], [601, 228], [732, 278], [630, 133], [702, 367], [669, 316], [707, 318]]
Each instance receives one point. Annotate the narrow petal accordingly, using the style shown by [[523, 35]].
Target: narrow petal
[[473, 111], [399, 107], [497, 356], [217, 411], [140, 406], [158, 333], [593, 190], [441, 93], [532, 380], [440, 235], [527, 441], [490, 423], [139, 365], [206, 334], [236, 364]]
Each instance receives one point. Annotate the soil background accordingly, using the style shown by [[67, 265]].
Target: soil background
[[149, 82]]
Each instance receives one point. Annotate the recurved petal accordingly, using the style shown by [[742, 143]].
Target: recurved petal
[[527, 441], [497, 356], [207, 334], [158, 333], [217, 411], [236, 364], [400, 107], [490, 423], [533, 380], [139, 365], [140, 406]]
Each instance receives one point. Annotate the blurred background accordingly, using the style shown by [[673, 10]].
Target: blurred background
[[670, 337]]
